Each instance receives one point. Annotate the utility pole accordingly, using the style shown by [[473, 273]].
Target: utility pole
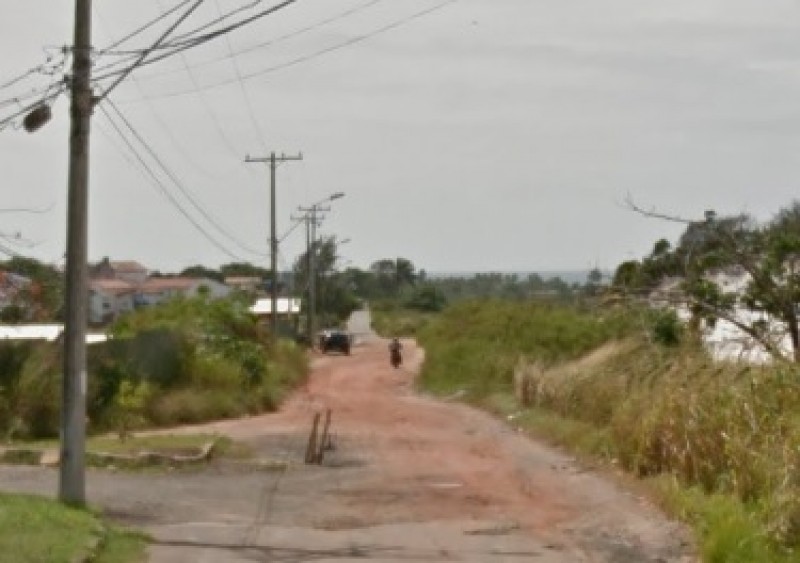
[[72, 488], [273, 161], [312, 221]]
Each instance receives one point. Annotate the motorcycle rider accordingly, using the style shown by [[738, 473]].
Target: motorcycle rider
[[394, 352]]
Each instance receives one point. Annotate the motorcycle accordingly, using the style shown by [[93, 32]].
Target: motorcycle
[[394, 354], [396, 358]]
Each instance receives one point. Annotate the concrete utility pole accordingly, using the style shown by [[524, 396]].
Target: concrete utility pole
[[273, 161], [72, 488], [312, 220]]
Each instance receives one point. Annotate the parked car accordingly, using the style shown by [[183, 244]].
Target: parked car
[[334, 340]]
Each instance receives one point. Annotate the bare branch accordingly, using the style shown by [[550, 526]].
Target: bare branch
[[655, 215]]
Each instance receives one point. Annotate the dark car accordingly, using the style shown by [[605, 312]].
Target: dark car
[[334, 340]]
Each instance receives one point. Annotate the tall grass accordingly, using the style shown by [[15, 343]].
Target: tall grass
[[728, 433], [474, 346]]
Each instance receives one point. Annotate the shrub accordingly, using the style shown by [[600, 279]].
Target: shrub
[[667, 328], [191, 406]]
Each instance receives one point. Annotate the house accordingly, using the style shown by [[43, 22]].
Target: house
[[724, 339], [127, 270], [159, 290], [109, 298]]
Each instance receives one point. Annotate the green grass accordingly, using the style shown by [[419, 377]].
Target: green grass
[[122, 546], [399, 322], [729, 530], [36, 530]]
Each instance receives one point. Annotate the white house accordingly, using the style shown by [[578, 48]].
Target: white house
[[724, 340], [108, 298]]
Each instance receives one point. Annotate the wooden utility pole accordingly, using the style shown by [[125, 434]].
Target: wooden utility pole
[[273, 161], [72, 488]]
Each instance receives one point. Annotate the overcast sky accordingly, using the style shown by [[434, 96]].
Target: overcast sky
[[489, 135]]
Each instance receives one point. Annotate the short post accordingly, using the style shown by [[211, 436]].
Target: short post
[[323, 443], [311, 449]]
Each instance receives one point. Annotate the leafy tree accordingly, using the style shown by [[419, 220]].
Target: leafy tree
[[334, 293], [765, 256], [244, 269], [199, 271], [44, 297], [428, 299], [627, 275]]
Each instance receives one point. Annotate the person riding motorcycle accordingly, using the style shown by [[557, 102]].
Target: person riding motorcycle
[[394, 352]]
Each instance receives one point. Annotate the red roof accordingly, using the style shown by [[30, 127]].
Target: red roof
[[129, 266], [157, 285], [113, 286]]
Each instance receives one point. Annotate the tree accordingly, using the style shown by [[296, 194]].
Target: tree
[[765, 256], [199, 271], [393, 275], [243, 269], [44, 296], [333, 295]]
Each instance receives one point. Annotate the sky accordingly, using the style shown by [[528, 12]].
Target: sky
[[466, 135]]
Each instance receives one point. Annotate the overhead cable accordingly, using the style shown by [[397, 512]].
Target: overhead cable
[[199, 40], [146, 52], [321, 52], [185, 191], [162, 188]]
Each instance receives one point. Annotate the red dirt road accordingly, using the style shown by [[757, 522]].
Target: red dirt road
[[409, 470]]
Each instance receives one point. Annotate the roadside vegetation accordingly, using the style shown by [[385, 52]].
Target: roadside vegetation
[[33, 529], [718, 442], [187, 361]]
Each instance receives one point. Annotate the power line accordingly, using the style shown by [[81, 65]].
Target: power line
[[321, 52], [156, 181], [146, 52], [185, 191], [162, 123], [141, 29], [48, 98], [281, 38], [48, 68], [247, 103], [196, 41]]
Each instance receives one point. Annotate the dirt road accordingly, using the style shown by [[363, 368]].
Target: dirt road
[[410, 479]]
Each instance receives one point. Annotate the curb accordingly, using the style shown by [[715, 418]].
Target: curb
[[50, 458]]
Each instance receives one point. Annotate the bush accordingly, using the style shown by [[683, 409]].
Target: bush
[[667, 328], [192, 406]]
